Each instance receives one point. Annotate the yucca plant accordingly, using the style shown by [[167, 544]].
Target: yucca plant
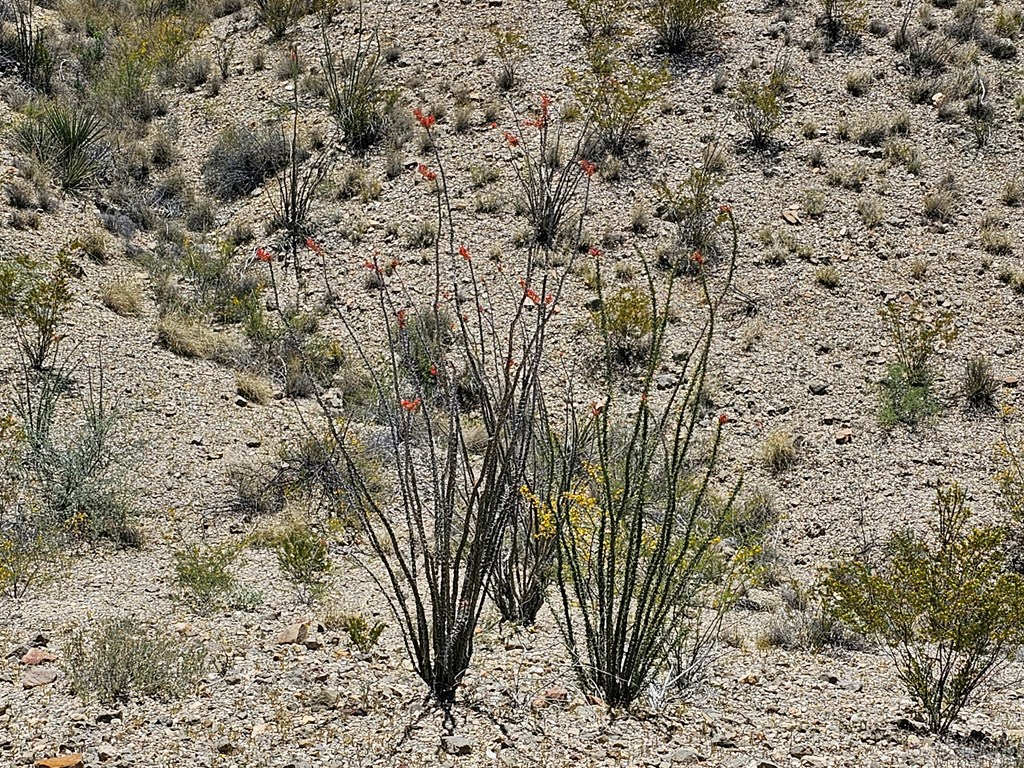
[[65, 139]]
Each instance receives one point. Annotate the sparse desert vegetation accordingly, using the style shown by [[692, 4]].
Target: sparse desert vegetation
[[556, 383]]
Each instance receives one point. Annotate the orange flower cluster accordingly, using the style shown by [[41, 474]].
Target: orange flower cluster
[[544, 115], [427, 121]]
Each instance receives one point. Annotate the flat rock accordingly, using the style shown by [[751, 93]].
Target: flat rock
[[38, 676], [75, 760], [456, 745], [296, 633], [36, 656]]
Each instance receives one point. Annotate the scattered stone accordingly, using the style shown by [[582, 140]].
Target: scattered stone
[[665, 380], [814, 530], [224, 746], [818, 387], [108, 717], [75, 760], [38, 676], [801, 750], [724, 742], [844, 436], [750, 679], [456, 745], [1010, 381], [686, 755], [36, 656], [295, 634], [105, 752], [790, 216], [551, 696]]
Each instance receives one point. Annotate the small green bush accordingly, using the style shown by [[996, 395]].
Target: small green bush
[[279, 15], [616, 95], [203, 574], [944, 607], [36, 298], [361, 633], [627, 320], [759, 108], [679, 24], [122, 658], [509, 48], [917, 336], [31, 553], [304, 559], [599, 18]]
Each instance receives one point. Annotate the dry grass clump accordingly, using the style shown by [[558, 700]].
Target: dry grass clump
[[253, 388], [123, 297], [190, 337], [780, 451]]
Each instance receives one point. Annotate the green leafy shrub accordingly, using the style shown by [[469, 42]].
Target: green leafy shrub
[[304, 559], [599, 18], [203, 574], [31, 553], [906, 390], [79, 471], [36, 298], [509, 48], [627, 320], [241, 159], [362, 634], [917, 337], [679, 24], [66, 140], [693, 207], [943, 606], [122, 658], [616, 94]]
